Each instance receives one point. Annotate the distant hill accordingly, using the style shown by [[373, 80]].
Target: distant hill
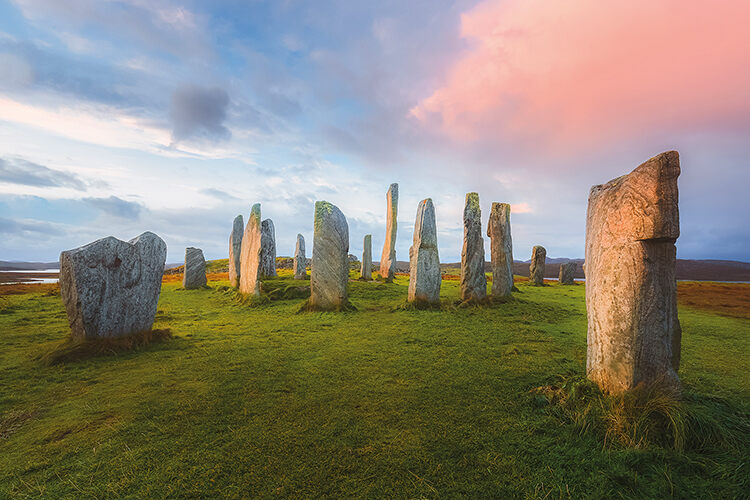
[[12, 265], [699, 270]]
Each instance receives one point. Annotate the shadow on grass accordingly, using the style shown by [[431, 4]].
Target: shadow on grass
[[345, 307], [71, 351]]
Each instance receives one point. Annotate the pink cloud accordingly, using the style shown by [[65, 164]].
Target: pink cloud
[[568, 73]]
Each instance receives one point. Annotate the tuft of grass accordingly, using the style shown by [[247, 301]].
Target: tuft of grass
[[70, 350], [648, 415]]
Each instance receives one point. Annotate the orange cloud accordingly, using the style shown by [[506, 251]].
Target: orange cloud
[[567, 73]]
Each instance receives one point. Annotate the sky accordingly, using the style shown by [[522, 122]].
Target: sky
[[124, 116]]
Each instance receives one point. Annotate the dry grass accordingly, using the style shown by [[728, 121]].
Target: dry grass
[[727, 299]]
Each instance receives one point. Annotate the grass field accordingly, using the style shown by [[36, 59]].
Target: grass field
[[262, 401]]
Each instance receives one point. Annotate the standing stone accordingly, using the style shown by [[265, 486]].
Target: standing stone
[[366, 270], [536, 268], [267, 249], [329, 276], [250, 263], [388, 259], [110, 288], [300, 261], [473, 279], [632, 224], [235, 251], [501, 250], [195, 269], [567, 273], [424, 262]]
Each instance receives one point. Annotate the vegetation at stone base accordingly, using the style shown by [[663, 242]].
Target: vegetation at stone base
[[385, 401]]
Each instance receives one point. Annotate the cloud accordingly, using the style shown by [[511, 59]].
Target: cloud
[[28, 227], [15, 71], [157, 25], [116, 207], [26, 173], [218, 194], [199, 113], [573, 74]]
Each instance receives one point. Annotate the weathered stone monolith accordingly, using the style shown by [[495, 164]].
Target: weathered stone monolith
[[632, 224], [267, 249], [250, 265], [110, 288], [329, 275], [568, 273], [501, 250], [536, 267], [235, 251], [366, 270], [388, 259], [195, 269], [473, 279], [300, 261], [424, 261]]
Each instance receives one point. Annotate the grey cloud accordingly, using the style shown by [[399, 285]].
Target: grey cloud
[[18, 171], [199, 113], [15, 227], [218, 194], [116, 206]]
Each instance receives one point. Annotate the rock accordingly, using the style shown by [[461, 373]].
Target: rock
[[195, 269], [501, 250], [366, 269], [536, 268], [329, 276], [267, 249], [567, 273], [300, 261], [388, 259], [250, 262], [235, 251], [110, 288], [632, 224], [424, 262], [473, 279]]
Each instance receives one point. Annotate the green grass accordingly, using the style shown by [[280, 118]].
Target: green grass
[[259, 400]]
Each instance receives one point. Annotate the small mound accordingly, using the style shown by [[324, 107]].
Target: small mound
[[71, 351]]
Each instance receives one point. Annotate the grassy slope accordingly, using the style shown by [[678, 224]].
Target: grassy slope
[[381, 402]]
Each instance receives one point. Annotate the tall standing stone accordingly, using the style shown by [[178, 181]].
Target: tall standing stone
[[366, 269], [568, 273], [250, 265], [110, 288], [235, 251], [536, 268], [195, 269], [473, 279], [388, 259], [329, 275], [424, 261], [300, 261], [501, 250], [632, 224], [268, 249]]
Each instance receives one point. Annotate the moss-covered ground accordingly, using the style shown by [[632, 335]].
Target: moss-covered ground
[[258, 400]]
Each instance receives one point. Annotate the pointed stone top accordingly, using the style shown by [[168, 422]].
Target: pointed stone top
[[255, 211]]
